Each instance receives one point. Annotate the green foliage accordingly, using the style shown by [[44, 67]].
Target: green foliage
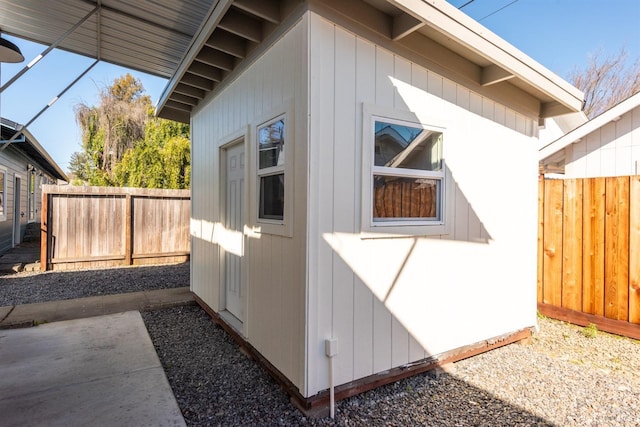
[[590, 331], [161, 160], [124, 145]]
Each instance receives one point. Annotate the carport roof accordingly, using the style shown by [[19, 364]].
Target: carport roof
[[145, 35], [198, 44]]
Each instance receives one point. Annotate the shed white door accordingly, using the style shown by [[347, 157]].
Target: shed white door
[[234, 214]]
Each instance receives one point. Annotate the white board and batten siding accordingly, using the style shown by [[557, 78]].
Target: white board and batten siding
[[274, 265], [392, 301], [611, 150]]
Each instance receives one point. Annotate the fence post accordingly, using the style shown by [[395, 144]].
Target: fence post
[[44, 231], [128, 250]]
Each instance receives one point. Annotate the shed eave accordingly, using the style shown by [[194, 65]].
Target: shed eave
[[209, 23], [454, 24]]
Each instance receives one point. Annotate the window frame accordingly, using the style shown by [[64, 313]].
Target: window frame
[[31, 195], [400, 227], [284, 226], [3, 202]]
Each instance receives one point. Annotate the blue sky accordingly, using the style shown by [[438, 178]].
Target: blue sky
[[559, 34]]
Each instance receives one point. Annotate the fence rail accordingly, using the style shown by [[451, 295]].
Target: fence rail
[[589, 252], [88, 227]]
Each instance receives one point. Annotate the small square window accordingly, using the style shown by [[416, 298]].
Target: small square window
[[271, 170], [272, 197], [271, 145]]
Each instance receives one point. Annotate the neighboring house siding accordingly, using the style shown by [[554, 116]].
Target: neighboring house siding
[[274, 265], [612, 150], [387, 300], [16, 163]]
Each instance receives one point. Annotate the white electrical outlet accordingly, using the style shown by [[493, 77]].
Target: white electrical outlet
[[331, 347]]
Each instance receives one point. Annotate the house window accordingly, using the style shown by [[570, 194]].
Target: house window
[[403, 174], [3, 199], [271, 170], [32, 195]]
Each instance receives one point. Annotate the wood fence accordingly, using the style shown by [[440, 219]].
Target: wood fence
[[92, 227], [589, 252]]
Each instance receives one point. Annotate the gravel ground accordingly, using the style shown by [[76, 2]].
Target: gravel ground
[[564, 376], [32, 287]]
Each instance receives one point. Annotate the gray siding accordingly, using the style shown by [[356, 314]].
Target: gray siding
[[15, 163]]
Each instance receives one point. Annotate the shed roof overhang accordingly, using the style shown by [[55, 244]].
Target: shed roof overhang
[[234, 29], [199, 43]]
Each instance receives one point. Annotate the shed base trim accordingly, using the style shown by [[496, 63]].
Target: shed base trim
[[316, 405]]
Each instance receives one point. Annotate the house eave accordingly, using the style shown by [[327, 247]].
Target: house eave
[[581, 131]]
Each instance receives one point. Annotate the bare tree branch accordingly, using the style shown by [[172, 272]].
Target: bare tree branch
[[606, 81]]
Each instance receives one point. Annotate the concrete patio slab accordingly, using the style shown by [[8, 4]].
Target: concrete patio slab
[[55, 311], [97, 371]]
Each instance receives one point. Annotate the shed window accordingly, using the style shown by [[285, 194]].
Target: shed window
[[403, 174], [407, 173], [271, 170]]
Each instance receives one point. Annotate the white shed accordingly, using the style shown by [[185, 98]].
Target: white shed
[[607, 145], [364, 184]]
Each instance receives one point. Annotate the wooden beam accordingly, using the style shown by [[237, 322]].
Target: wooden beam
[[189, 91], [128, 229], [185, 99], [227, 42], [403, 25], [175, 115], [45, 218], [178, 105], [553, 108], [242, 25], [216, 58], [197, 81], [269, 10], [206, 71], [493, 74]]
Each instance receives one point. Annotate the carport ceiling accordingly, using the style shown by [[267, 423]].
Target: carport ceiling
[[200, 43], [145, 35]]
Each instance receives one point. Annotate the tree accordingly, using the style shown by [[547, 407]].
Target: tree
[[161, 160], [124, 145], [606, 81]]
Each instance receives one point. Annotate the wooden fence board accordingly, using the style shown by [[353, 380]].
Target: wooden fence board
[[616, 266], [541, 183], [634, 250], [552, 290], [593, 246], [600, 248], [572, 245], [100, 227]]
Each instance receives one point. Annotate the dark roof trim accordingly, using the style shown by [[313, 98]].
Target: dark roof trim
[[32, 149]]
